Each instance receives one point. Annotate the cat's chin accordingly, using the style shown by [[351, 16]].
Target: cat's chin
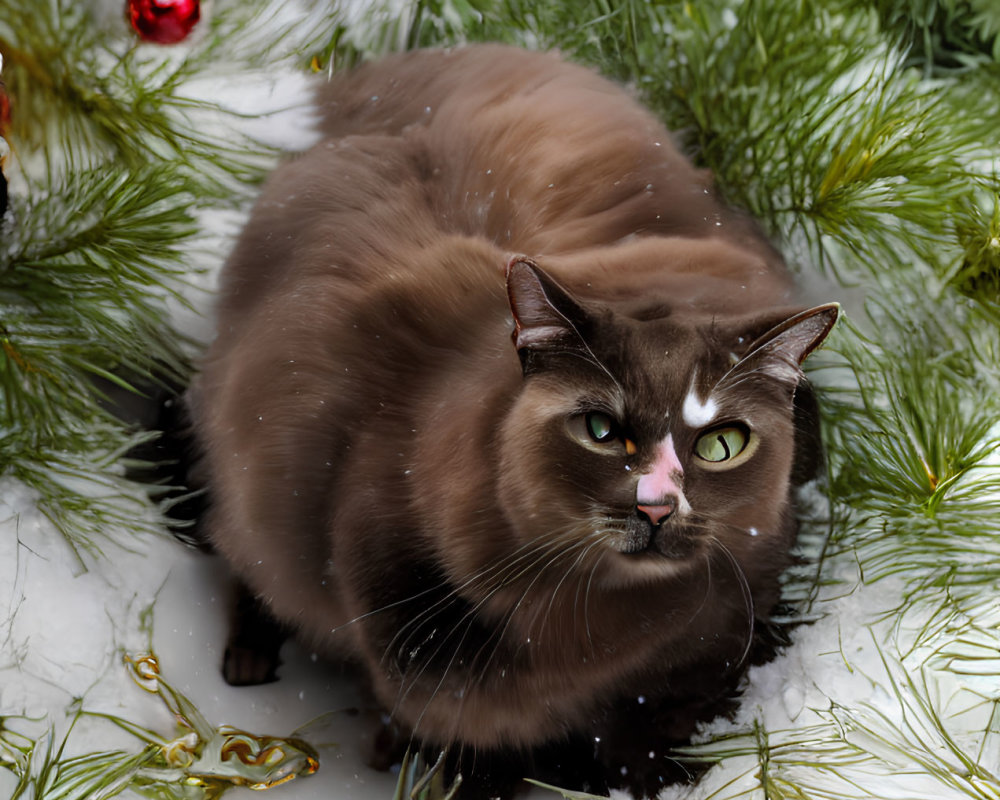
[[673, 544], [669, 541], [652, 564]]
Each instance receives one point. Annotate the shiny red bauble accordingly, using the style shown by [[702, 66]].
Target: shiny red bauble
[[164, 21]]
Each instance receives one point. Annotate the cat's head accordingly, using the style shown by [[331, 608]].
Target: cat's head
[[643, 444]]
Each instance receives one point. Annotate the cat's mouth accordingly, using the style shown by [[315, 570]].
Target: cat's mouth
[[637, 538], [642, 536]]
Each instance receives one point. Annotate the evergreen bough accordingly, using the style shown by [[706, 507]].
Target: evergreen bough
[[111, 161]]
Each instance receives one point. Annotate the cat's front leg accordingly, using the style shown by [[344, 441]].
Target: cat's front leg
[[253, 648]]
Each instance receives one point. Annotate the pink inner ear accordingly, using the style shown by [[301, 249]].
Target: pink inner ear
[[661, 481]]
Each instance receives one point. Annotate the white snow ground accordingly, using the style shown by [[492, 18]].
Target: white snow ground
[[64, 630]]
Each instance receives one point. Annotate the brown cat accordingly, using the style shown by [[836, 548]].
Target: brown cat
[[520, 543]]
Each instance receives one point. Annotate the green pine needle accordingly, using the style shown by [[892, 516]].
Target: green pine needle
[[566, 793], [977, 274], [419, 780], [84, 95], [945, 35], [112, 157], [854, 751]]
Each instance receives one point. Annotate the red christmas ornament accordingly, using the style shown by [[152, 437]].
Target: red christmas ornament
[[163, 21]]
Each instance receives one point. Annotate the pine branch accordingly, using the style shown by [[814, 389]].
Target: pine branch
[[854, 751], [82, 488], [945, 35], [977, 273], [82, 286], [809, 120], [84, 95], [114, 153], [914, 438]]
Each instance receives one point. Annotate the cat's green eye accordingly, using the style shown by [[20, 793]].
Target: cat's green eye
[[601, 427], [722, 445]]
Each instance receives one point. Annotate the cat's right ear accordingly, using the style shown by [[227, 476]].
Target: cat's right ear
[[547, 320]]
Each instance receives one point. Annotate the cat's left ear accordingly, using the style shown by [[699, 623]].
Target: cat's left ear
[[547, 320], [781, 350]]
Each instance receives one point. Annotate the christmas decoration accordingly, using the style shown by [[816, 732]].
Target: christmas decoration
[[164, 21], [215, 757]]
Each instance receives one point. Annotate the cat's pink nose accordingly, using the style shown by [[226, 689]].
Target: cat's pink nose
[[657, 514]]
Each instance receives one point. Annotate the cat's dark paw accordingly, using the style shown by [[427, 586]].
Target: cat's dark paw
[[245, 666], [253, 650], [389, 743], [634, 740], [497, 776]]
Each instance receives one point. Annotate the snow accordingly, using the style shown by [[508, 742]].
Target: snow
[[65, 630], [67, 633]]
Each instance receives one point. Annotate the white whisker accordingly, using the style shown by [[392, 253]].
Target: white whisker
[[508, 562], [586, 600], [465, 624], [747, 595], [595, 539]]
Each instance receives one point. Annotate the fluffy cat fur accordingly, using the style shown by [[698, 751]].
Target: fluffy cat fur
[[468, 349]]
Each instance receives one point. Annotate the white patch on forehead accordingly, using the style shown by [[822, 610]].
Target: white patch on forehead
[[698, 413]]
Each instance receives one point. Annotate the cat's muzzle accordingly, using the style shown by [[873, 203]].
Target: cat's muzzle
[[645, 526]]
